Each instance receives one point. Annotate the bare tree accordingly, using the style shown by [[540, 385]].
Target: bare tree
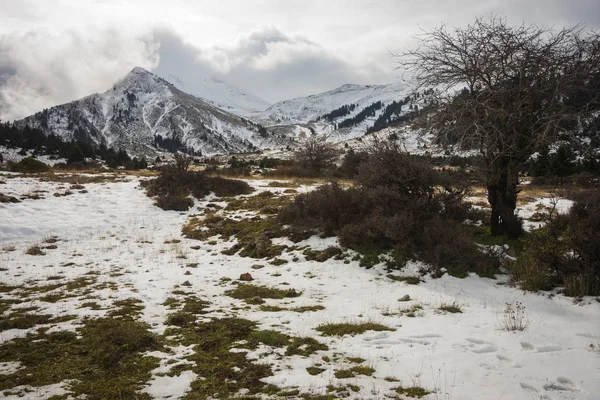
[[315, 154], [522, 88], [182, 162]]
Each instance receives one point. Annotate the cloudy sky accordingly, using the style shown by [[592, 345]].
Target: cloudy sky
[[55, 51]]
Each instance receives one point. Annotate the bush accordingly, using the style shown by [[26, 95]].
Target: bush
[[175, 203], [30, 165], [398, 203], [174, 184], [565, 252]]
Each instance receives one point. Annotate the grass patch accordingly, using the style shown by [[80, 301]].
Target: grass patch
[[350, 328], [411, 280], [451, 308], [246, 292], [253, 235], [35, 250], [354, 371], [24, 319], [414, 391], [105, 362], [302, 309], [304, 347], [315, 370], [129, 308], [283, 184], [214, 361], [266, 203], [323, 255]]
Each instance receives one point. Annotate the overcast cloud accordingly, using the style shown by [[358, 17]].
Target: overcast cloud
[[55, 51]]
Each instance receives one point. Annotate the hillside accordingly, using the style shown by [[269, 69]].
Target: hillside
[[220, 94], [143, 113], [347, 112]]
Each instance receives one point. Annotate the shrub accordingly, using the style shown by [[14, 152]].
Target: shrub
[[398, 203], [565, 252], [30, 165], [175, 203], [175, 183]]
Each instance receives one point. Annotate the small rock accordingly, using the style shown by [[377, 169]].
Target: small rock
[[187, 273], [257, 300], [246, 277], [186, 283], [404, 298]]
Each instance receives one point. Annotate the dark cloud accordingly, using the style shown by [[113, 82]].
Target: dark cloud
[[40, 70], [307, 46], [266, 62]]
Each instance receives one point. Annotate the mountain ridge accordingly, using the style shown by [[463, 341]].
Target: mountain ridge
[[143, 113]]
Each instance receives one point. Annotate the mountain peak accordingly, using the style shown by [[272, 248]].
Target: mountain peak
[[140, 70]]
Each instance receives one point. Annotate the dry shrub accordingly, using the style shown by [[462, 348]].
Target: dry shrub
[[174, 184], [175, 203], [565, 252], [398, 203]]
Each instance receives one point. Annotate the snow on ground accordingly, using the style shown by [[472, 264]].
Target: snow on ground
[[115, 230], [12, 155]]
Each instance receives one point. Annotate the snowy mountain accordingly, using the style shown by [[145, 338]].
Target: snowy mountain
[[143, 113], [220, 94], [311, 110]]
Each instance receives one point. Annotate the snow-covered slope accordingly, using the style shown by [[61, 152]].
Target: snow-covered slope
[[220, 94], [307, 110], [143, 112]]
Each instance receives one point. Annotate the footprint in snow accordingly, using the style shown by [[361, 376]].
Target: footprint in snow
[[540, 349], [479, 346], [376, 337], [509, 360], [562, 383]]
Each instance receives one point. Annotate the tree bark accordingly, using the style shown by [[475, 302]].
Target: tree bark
[[502, 196]]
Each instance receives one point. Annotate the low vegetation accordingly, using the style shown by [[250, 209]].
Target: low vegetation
[[30, 165], [103, 360], [565, 252], [352, 329], [399, 204], [248, 292], [175, 183]]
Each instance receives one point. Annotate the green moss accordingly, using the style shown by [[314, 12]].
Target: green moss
[[350, 329]]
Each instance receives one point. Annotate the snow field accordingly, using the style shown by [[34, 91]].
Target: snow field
[[115, 231]]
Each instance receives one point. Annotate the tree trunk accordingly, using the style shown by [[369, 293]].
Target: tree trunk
[[502, 196]]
